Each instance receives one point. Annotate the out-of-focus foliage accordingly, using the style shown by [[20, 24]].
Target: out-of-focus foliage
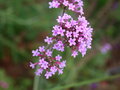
[[5, 81], [25, 23]]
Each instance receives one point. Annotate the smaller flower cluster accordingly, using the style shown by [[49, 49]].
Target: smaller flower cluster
[[73, 5], [47, 63]]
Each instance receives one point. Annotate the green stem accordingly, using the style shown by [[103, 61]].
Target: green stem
[[36, 83], [63, 11], [85, 82]]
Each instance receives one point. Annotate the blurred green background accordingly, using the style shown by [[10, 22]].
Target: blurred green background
[[25, 23]]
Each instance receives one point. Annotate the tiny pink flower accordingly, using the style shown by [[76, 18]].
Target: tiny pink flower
[[80, 3], [68, 24], [74, 54], [32, 65], [68, 34], [62, 64], [61, 31], [65, 3], [75, 34], [48, 40], [41, 61], [80, 40], [66, 16], [59, 46], [60, 19], [35, 52], [73, 22], [55, 31], [60, 71], [82, 49], [43, 64], [72, 41], [39, 72], [53, 70], [48, 74], [71, 7], [42, 48], [78, 29], [58, 57], [49, 53], [54, 4]]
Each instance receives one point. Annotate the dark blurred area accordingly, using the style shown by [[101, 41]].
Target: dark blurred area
[[25, 23]]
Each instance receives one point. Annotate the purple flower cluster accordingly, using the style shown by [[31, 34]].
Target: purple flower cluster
[[75, 34], [47, 62], [73, 5]]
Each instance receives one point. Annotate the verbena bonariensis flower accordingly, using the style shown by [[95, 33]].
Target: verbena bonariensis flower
[[75, 34]]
